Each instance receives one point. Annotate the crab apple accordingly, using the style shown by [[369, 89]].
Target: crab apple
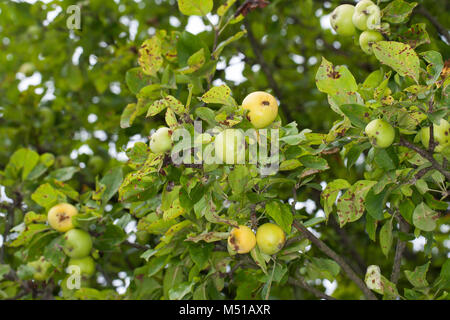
[[341, 20], [78, 243], [381, 134], [161, 140], [63, 161], [441, 135], [96, 164], [367, 38], [60, 217], [41, 268], [229, 146], [86, 265], [270, 238], [366, 16], [262, 107], [242, 239]]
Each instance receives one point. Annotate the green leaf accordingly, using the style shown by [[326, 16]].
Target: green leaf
[[224, 7], [323, 269], [425, 218], [281, 214], [195, 7], [129, 114], [415, 35], [418, 277], [238, 179], [150, 58], [375, 203], [112, 180], [334, 79], [399, 56], [180, 290], [4, 269], [386, 237], [398, 11], [435, 65], [220, 95], [46, 196], [195, 62], [351, 205], [359, 115], [136, 79], [314, 162], [331, 192]]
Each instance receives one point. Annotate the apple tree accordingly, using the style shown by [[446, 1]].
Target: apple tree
[[140, 167]]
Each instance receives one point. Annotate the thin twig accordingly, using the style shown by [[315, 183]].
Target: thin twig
[[399, 250], [436, 165]]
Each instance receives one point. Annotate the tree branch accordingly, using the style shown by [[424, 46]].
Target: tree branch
[[399, 250], [360, 264], [436, 165], [332, 254], [300, 282]]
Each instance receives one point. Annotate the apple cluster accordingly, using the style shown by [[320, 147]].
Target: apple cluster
[[365, 17], [269, 238], [262, 110], [77, 242]]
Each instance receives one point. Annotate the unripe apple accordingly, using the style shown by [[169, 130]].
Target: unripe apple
[[161, 140], [86, 265], [60, 217], [270, 238], [242, 239], [366, 16], [96, 164], [341, 20], [63, 161], [381, 134], [78, 243], [263, 108], [229, 146], [441, 135], [367, 38], [41, 268]]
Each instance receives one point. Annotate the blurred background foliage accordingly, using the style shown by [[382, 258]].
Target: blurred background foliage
[[63, 91]]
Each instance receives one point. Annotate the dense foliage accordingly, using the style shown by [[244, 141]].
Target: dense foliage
[[362, 134]]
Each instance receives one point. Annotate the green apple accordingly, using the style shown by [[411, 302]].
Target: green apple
[[63, 161], [41, 269], [78, 243], [86, 265], [441, 135], [96, 164], [229, 146], [60, 217], [161, 140], [367, 15], [242, 239], [341, 20], [262, 107], [270, 238], [381, 134], [367, 38]]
